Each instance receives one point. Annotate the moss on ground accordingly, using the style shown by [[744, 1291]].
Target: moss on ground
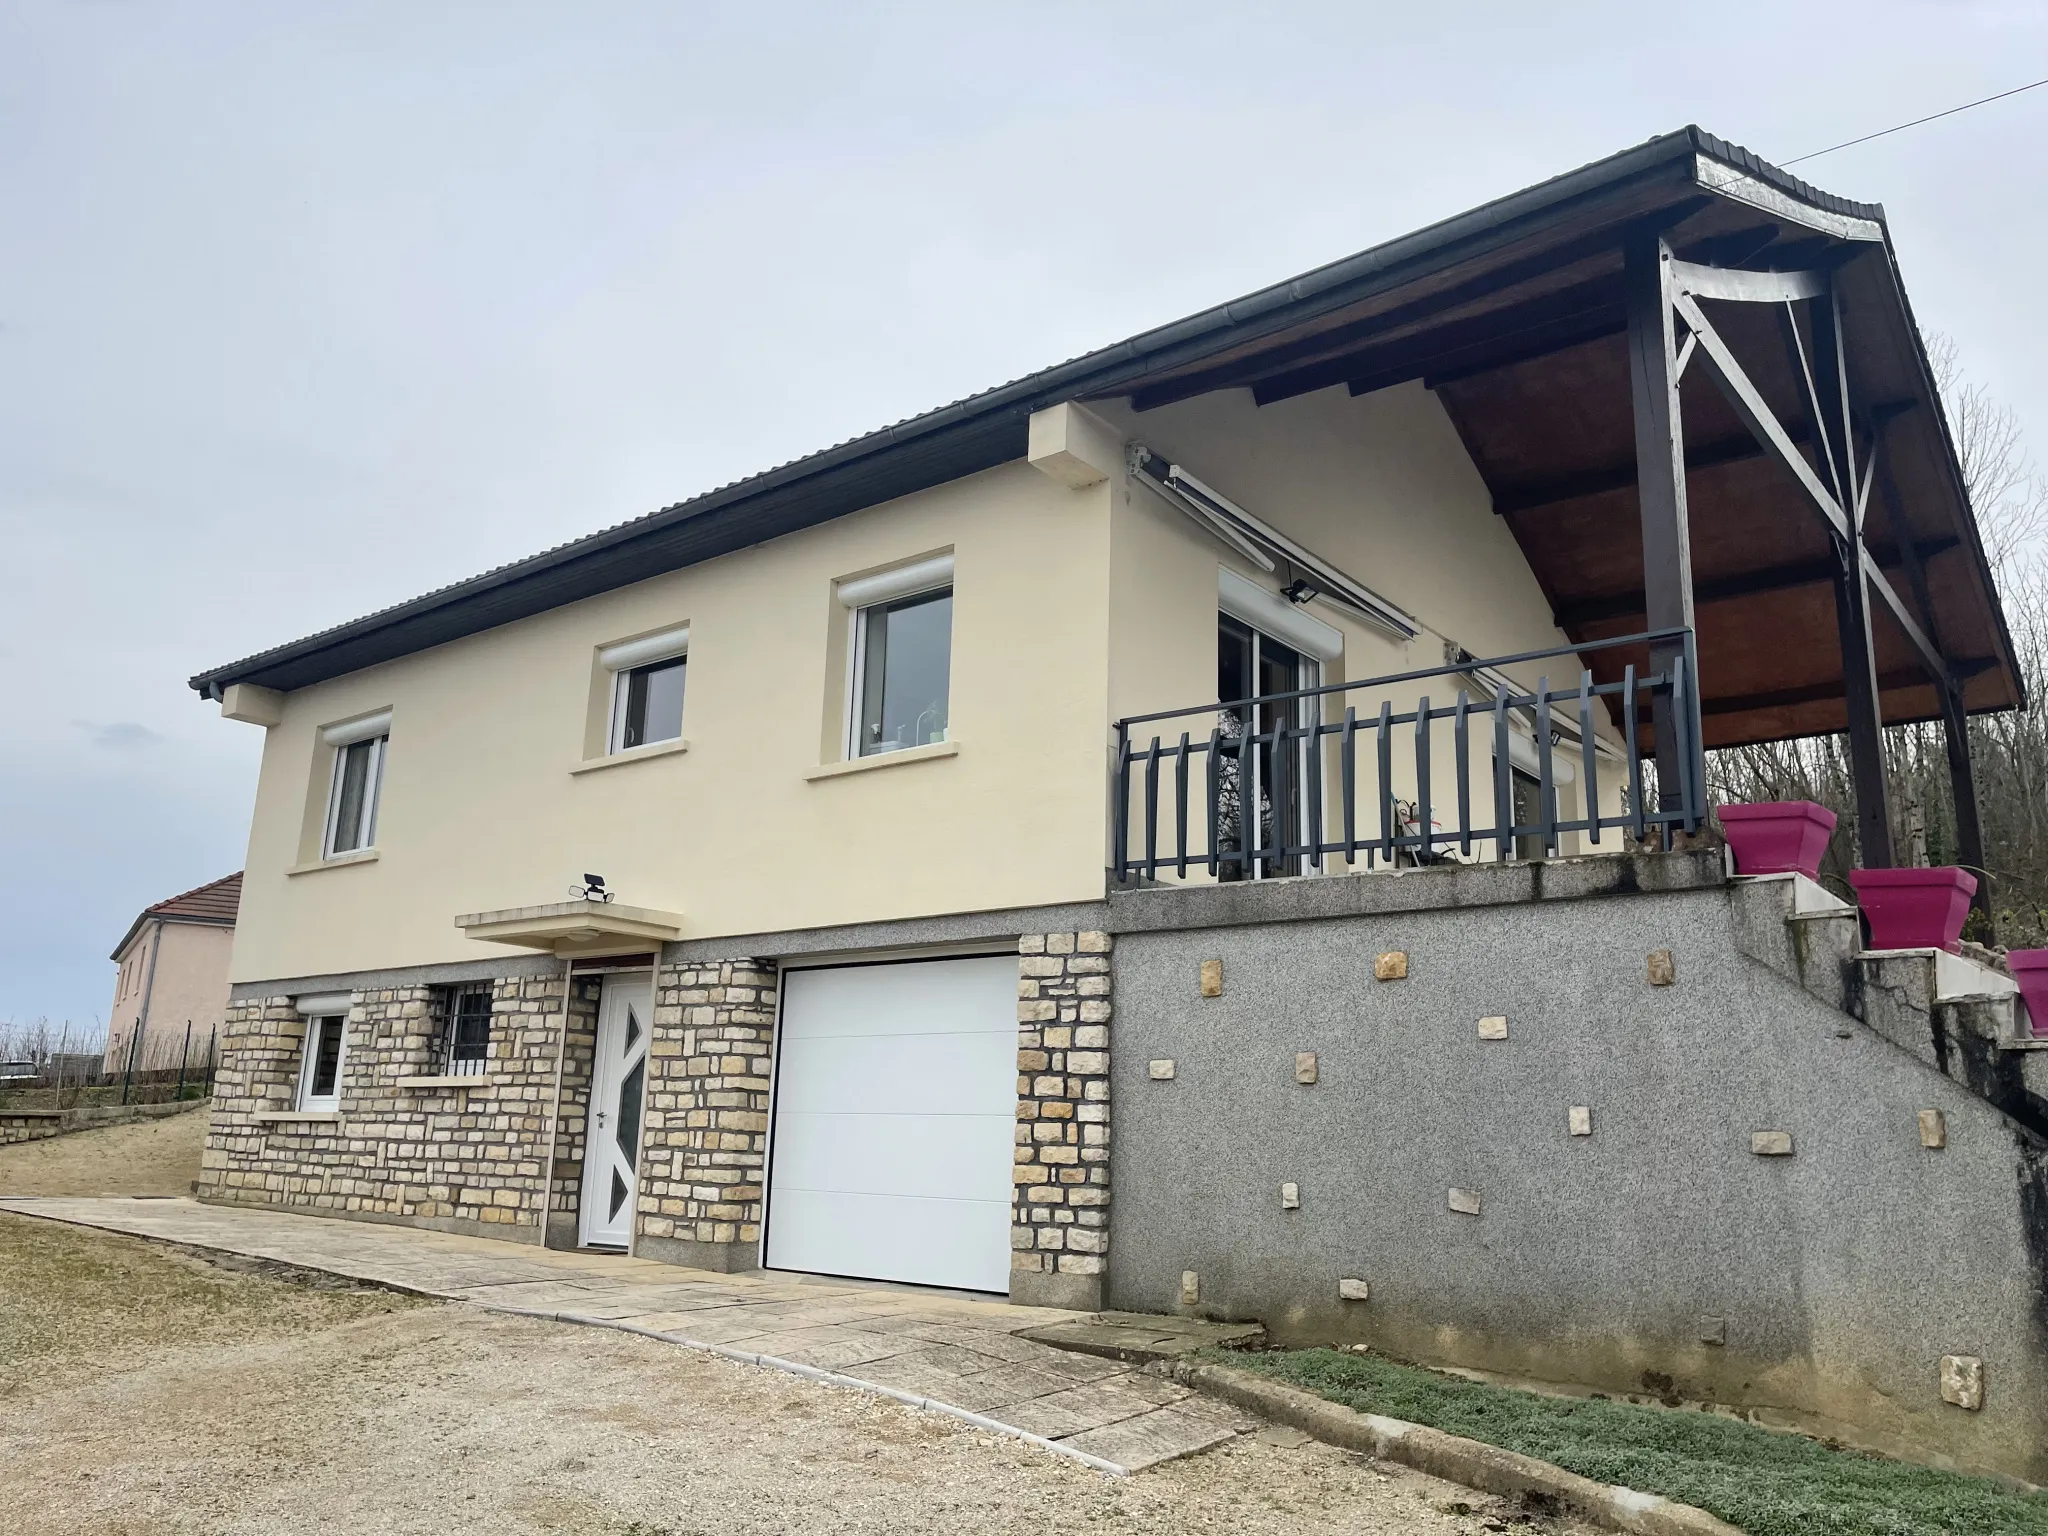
[[74, 1301], [1767, 1482]]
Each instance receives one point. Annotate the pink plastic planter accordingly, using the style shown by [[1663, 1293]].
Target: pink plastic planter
[[1914, 908], [1778, 837], [2030, 969]]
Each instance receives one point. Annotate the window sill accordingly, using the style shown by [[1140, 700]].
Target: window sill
[[298, 1117], [360, 856], [635, 755], [430, 1084], [923, 754]]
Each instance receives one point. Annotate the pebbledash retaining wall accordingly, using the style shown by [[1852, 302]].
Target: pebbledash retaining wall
[[1561, 1125]]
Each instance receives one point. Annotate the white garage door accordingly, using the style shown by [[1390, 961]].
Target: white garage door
[[895, 1117]]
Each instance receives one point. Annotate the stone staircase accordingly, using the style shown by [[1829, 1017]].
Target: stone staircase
[[1960, 1017]]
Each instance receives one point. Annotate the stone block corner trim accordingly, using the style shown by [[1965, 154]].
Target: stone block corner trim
[[1059, 1212]]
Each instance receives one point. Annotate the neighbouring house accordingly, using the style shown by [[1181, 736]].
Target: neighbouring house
[[171, 988], [1219, 825]]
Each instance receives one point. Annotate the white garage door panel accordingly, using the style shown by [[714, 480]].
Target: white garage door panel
[[964, 1244], [922, 997], [895, 1118], [921, 1155], [920, 1074]]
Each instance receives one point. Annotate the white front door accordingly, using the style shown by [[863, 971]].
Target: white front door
[[895, 1116], [618, 1087]]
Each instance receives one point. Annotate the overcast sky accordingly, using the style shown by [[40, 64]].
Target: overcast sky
[[306, 309]]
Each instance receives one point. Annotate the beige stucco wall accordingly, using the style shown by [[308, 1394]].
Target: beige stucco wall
[[190, 983], [1381, 486], [480, 810], [1071, 607]]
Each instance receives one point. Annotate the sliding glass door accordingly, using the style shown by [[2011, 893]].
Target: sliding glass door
[[1261, 795]]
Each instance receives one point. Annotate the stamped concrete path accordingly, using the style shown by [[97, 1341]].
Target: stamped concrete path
[[953, 1354]]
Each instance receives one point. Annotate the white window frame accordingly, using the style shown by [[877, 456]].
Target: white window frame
[[317, 1011], [859, 597], [627, 657], [375, 729]]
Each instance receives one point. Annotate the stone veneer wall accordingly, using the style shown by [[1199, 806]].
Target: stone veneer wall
[[470, 1158], [1059, 1234], [578, 1055], [704, 1143]]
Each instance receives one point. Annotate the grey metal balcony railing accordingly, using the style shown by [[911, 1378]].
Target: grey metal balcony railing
[[1253, 791]]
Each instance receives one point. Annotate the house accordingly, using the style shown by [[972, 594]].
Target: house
[[171, 988], [1219, 825]]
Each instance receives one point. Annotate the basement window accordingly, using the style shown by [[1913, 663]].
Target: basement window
[[465, 1014], [320, 1065]]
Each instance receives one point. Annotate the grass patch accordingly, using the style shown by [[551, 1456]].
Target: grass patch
[[1767, 1482], [75, 1302]]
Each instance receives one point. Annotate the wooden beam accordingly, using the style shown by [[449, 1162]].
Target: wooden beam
[[1738, 286], [1555, 320], [1777, 578], [1815, 693], [1350, 334]]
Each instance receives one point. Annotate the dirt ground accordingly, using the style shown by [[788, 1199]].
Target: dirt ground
[[150, 1157], [143, 1390]]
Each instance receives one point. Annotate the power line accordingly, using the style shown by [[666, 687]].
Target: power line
[[1902, 127]]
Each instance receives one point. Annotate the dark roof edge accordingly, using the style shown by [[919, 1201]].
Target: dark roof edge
[[1091, 372]]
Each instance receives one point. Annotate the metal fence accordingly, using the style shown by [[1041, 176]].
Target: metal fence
[[45, 1066], [1280, 784]]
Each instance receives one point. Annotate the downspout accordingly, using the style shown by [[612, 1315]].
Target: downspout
[[156, 944], [547, 1204]]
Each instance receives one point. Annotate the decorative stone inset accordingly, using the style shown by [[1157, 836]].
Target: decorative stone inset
[[1494, 1027], [1160, 1071], [1962, 1381], [1663, 969], [1392, 966], [1579, 1119], [1933, 1129], [1353, 1290], [1290, 1197], [1771, 1143], [1212, 978], [1465, 1201], [1304, 1067], [1713, 1330], [1190, 1288]]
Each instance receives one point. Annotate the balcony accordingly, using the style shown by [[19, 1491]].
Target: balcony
[[1310, 782]]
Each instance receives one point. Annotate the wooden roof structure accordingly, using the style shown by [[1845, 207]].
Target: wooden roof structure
[[1526, 343]]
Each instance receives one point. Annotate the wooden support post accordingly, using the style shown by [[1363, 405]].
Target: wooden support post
[[1660, 488], [1852, 592]]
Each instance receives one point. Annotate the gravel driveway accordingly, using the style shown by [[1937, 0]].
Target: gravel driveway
[[145, 1391]]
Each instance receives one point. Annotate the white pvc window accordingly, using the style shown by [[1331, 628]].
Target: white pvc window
[[358, 783], [902, 673], [320, 1066], [647, 689]]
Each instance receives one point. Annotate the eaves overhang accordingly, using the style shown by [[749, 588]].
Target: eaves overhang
[[989, 429]]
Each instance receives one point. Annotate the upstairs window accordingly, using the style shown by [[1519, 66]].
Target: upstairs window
[[902, 671], [647, 689], [465, 1029], [358, 783]]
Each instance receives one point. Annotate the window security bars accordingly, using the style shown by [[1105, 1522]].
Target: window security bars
[[466, 1038], [1277, 786]]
